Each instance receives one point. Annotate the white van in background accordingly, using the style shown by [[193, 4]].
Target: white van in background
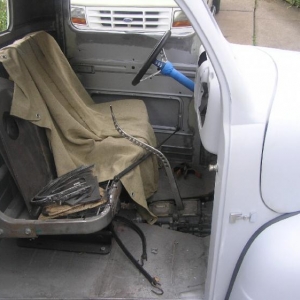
[[151, 16]]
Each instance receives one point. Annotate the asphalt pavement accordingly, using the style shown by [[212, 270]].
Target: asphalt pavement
[[267, 23]]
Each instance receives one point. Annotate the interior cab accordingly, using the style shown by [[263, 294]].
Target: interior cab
[[120, 142], [103, 66]]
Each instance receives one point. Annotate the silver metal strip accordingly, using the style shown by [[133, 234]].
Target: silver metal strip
[[160, 155]]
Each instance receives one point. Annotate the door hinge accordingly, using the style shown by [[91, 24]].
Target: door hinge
[[233, 217]]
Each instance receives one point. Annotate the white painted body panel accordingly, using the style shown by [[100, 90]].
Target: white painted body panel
[[249, 80], [259, 73], [280, 174], [209, 129], [271, 267]]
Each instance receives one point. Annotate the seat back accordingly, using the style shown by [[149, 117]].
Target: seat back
[[25, 150]]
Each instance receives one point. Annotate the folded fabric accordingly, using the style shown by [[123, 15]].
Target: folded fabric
[[49, 94]]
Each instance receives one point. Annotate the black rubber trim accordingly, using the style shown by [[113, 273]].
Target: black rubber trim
[[137, 229], [153, 280], [248, 245], [202, 58], [136, 80]]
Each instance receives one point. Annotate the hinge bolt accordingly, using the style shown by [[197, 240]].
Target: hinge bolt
[[213, 168]]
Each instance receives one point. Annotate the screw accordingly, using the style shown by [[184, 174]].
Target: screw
[[154, 250], [102, 248], [1, 231], [27, 231]]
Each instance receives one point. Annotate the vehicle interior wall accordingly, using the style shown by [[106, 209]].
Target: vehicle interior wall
[[31, 12], [23, 17], [106, 63], [29, 16]]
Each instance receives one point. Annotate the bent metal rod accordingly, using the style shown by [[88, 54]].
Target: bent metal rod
[[159, 154]]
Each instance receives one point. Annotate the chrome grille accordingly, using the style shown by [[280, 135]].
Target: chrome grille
[[129, 18]]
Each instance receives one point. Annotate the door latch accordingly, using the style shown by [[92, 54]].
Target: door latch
[[233, 217]]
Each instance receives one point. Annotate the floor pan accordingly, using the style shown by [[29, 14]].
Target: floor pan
[[179, 260], [189, 187]]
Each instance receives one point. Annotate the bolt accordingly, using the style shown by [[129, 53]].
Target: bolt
[[1, 231], [212, 168], [102, 248], [27, 231], [154, 250]]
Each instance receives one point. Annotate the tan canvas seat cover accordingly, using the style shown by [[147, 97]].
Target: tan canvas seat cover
[[48, 93]]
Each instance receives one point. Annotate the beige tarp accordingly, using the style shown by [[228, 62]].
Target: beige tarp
[[48, 93]]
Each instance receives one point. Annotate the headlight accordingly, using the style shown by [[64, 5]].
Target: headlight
[[180, 19], [78, 15]]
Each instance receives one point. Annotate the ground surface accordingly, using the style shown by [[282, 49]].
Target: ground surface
[[267, 23]]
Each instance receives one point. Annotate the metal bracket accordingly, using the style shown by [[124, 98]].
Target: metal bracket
[[163, 55], [150, 76], [233, 217], [24, 228]]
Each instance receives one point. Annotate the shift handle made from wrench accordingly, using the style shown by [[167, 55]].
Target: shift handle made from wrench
[[159, 154]]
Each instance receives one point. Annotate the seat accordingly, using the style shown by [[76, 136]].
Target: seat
[[48, 93]]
